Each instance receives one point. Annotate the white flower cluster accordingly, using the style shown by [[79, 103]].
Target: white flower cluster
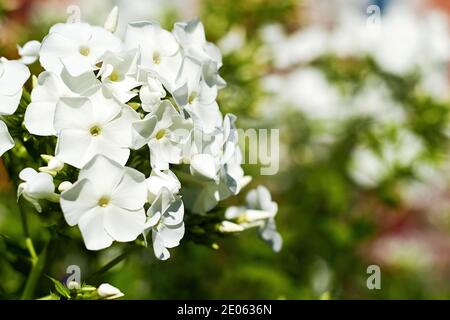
[[105, 97]]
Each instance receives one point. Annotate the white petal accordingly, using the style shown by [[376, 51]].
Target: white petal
[[101, 145], [162, 179], [92, 229], [124, 225], [6, 141], [142, 130], [13, 75], [73, 147], [27, 174], [104, 172], [203, 166], [119, 129], [73, 113], [9, 103], [131, 192], [40, 186], [29, 52], [78, 200], [39, 118], [158, 247], [170, 236]]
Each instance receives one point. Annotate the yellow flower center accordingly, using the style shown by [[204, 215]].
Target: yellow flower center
[[104, 201], [95, 131], [114, 76], [160, 134], [192, 97], [85, 51], [156, 58]]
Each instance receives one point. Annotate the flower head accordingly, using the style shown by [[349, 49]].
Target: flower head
[[107, 203]]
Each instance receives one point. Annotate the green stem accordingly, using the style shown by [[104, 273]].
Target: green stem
[[32, 251], [34, 276]]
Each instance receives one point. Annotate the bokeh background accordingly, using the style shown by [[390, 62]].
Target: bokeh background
[[361, 97]]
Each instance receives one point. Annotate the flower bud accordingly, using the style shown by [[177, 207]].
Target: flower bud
[[229, 227], [65, 185], [112, 20], [107, 291]]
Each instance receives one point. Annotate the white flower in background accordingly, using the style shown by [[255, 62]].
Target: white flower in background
[[107, 203], [162, 179], [119, 74], [77, 46], [40, 113], [108, 292], [165, 220], [159, 51], [89, 126], [197, 97], [259, 212], [233, 41], [375, 101], [369, 168], [165, 131], [29, 53], [308, 90], [151, 93], [13, 75], [303, 46], [36, 186], [399, 44]]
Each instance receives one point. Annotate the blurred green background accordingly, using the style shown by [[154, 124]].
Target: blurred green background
[[333, 227]]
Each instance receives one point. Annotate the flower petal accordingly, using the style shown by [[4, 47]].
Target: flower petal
[[124, 225]]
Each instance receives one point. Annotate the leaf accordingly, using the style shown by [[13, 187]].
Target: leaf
[[60, 288]]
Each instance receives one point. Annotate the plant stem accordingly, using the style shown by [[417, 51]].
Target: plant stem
[[112, 263], [32, 251], [35, 274]]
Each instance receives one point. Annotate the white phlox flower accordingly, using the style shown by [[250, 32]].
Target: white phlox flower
[[50, 88], [107, 203], [96, 125], [165, 131], [260, 212], [159, 51], [119, 74], [77, 46], [197, 97]]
